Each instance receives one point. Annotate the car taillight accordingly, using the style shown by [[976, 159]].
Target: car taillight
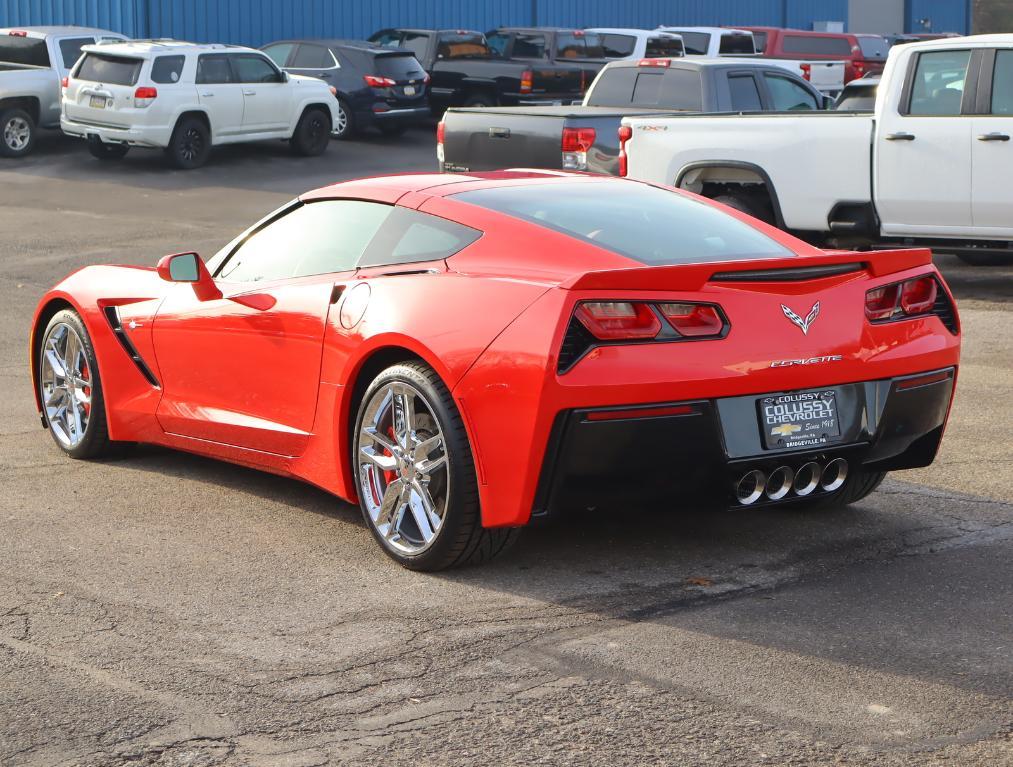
[[654, 63], [441, 131], [694, 320], [807, 71], [901, 299], [527, 81], [618, 320], [625, 134], [375, 81], [575, 144], [859, 67], [143, 96]]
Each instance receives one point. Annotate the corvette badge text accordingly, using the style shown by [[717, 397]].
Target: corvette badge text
[[807, 361]]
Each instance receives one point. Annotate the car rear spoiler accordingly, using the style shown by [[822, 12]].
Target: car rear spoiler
[[792, 269]]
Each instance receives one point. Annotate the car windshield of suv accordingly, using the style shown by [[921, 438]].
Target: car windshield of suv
[[112, 70], [15, 49], [650, 225], [675, 89], [463, 45], [696, 43], [398, 67], [874, 47]]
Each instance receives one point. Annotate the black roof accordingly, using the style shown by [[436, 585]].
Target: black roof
[[360, 45]]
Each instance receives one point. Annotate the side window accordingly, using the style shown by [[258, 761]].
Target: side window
[[578, 45], [621, 46], [213, 69], [312, 57], [388, 38], [498, 42], [529, 47], [938, 84], [167, 69], [745, 95], [251, 68], [789, 96], [279, 52], [314, 238], [1002, 83], [70, 49], [409, 236]]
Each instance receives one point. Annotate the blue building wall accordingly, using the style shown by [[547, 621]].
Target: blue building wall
[[254, 22]]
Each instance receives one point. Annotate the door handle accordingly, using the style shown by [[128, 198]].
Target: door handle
[[900, 136], [206, 95], [499, 133], [249, 93], [996, 136]]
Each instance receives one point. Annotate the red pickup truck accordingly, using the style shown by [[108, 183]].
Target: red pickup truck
[[862, 54]]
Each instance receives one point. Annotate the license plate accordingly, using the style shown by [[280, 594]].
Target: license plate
[[409, 90], [98, 102], [801, 419]]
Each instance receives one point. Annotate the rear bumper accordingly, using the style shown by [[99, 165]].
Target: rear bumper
[[696, 451], [138, 135], [395, 114]]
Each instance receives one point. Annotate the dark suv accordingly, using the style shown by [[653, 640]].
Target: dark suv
[[375, 86]]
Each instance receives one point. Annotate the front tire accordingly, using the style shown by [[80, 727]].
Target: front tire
[[71, 388], [416, 478], [17, 133], [102, 151], [190, 145], [312, 134]]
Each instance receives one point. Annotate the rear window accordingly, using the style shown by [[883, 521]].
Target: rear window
[[650, 225], [817, 46], [398, 67], [112, 70], [465, 45], [24, 50], [696, 43], [578, 45], [664, 48], [857, 98], [736, 44], [619, 46], [874, 47], [167, 69], [676, 89]]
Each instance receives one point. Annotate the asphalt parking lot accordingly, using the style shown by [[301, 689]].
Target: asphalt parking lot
[[165, 609]]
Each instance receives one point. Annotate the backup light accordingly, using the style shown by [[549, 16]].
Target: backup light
[[694, 320], [618, 320]]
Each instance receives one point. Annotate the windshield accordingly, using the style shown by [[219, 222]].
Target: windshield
[[650, 225], [24, 50]]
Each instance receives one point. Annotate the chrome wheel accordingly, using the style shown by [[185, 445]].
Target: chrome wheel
[[404, 474], [17, 133], [65, 380], [341, 123]]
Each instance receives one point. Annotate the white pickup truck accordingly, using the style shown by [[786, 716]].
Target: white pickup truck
[[903, 174], [32, 62]]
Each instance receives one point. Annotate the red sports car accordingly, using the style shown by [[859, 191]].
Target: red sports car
[[462, 354]]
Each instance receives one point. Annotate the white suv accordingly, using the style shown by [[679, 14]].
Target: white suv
[[184, 98]]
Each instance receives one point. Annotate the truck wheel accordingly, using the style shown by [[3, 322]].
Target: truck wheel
[[344, 123], [312, 134], [480, 100], [17, 133], [102, 151], [190, 144], [751, 205]]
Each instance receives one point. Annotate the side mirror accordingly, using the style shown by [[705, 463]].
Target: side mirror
[[189, 267], [284, 77], [829, 102]]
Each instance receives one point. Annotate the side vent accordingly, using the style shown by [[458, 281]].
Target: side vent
[[943, 309], [576, 343], [113, 316]]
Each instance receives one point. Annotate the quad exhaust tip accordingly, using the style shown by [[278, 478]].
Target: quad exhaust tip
[[755, 484]]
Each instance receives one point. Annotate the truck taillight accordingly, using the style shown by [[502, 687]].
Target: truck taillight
[[901, 299], [375, 81], [441, 131], [575, 144], [17, 33], [64, 82], [527, 80], [143, 96], [859, 68], [625, 134], [807, 71], [618, 320], [654, 63]]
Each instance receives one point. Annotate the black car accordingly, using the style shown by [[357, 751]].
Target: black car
[[375, 86]]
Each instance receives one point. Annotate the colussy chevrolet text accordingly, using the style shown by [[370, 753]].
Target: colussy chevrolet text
[[461, 354]]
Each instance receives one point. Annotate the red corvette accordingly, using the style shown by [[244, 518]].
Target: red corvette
[[462, 354]]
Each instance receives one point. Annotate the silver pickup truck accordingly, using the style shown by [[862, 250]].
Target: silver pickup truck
[[33, 61]]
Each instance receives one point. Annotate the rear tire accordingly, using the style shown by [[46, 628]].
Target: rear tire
[[344, 123], [430, 469], [190, 145], [750, 204], [68, 380], [102, 151], [312, 133], [17, 132]]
